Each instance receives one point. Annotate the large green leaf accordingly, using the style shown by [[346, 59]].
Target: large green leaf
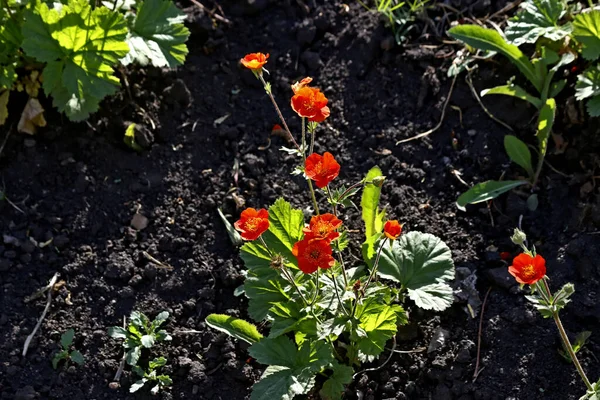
[[333, 388], [490, 40], [80, 46], [588, 83], [593, 106], [538, 18], [417, 261], [265, 287], [288, 317], [157, 35], [379, 322], [291, 370], [238, 328], [518, 152], [545, 123], [587, 32], [514, 91], [485, 191]]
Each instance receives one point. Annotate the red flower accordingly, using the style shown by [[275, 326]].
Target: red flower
[[528, 270], [313, 254], [254, 61], [252, 223], [323, 227], [321, 169], [309, 102], [392, 229]]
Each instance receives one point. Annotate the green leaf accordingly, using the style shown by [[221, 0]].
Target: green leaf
[[556, 88], [63, 355], [77, 357], [588, 83], [593, 106], [147, 341], [514, 91], [139, 320], [593, 393], [238, 328], [133, 355], [538, 18], [333, 388], [288, 317], [158, 35], [162, 336], [282, 383], [277, 351], [519, 153], [234, 235], [79, 45], [545, 123], [371, 215], [485, 191], [160, 319], [587, 32], [264, 287], [379, 322], [417, 261], [67, 339], [129, 139], [489, 39], [116, 332], [157, 363]]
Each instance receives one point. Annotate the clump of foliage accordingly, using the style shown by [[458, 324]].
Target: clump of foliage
[[326, 317], [560, 32], [140, 333], [70, 48], [529, 268], [66, 340], [158, 382], [400, 16]]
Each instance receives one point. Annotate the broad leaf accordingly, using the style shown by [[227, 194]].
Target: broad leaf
[[489, 39], [379, 322], [333, 388], [160, 319], [593, 106], [265, 287], [80, 46], [288, 317], [485, 191], [519, 153], [116, 332], [67, 339], [147, 341], [133, 355], [238, 328], [417, 261], [371, 215], [588, 83], [587, 32], [77, 357], [157, 36], [157, 363], [545, 123], [538, 18], [514, 91], [282, 383]]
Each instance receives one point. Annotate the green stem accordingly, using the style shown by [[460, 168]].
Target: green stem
[[310, 186], [312, 142], [373, 271], [345, 274], [567, 343], [316, 289], [332, 202], [291, 137], [293, 282], [337, 293], [265, 244]]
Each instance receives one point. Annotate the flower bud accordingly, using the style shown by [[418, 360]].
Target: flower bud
[[277, 261], [519, 237], [378, 180]]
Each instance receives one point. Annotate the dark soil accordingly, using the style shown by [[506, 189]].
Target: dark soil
[[79, 187]]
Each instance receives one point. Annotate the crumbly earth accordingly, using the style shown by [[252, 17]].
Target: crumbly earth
[[79, 186]]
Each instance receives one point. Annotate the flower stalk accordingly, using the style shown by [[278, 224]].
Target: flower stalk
[[310, 186], [270, 94]]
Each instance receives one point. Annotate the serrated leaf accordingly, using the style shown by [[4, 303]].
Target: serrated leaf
[[288, 317], [282, 383], [485, 191], [67, 339], [535, 19], [489, 39], [417, 261], [518, 152], [378, 321], [79, 45], [264, 287], [118, 5], [371, 215], [593, 106], [334, 387], [588, 83], [77, 357], [158, 35], [238, 328], [514, 91], [587, 32], [147, 341]]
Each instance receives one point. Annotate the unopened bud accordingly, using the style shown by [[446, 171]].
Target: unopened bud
[[277, 261], [356, 286], [378, 180], [519, 237]]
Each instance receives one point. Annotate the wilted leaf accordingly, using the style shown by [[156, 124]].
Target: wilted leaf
[[32, 117]]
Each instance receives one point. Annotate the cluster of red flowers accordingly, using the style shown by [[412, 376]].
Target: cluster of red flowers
[[314, 251]]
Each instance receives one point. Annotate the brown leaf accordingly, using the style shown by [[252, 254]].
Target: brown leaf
[[32, 117]]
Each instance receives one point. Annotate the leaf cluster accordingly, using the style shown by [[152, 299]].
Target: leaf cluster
[[151, 376], [66, 341]]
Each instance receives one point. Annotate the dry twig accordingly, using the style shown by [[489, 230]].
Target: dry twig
[[47, 288], [477, 370]]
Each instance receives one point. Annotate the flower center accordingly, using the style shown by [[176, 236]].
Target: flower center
[[528, 271], [314, 254], [252, 224]]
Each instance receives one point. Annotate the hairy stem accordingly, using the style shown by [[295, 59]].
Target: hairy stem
[[293, 282], [268, 90], [310, 186]]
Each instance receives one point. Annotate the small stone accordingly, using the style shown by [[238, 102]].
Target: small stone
[[114, 385], [463, 356], [13, 241], [26, 393], [311, 59], [135, 280], [438, 339], [139, 222], [500, 277], [471, 132], [178, 93]]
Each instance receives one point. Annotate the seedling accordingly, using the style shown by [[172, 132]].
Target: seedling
[[140, 333], [66, 340], [158, 382], [399, 15]]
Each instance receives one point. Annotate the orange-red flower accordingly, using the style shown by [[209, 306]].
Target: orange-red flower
[[252, 223], [323, 227], [528, 270], [321, 168], [309, 102], [392, 229], [255, 61], [313, 254]]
